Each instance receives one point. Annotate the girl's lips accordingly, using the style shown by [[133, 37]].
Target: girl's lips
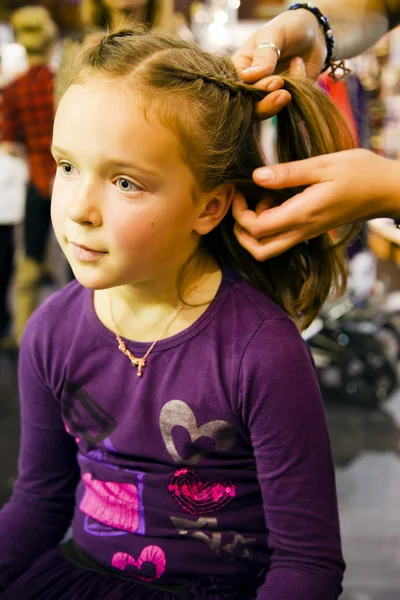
[[86, 254]]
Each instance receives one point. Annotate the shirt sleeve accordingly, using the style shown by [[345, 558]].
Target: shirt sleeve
[[10, 130], [41, 506], [282, 407]]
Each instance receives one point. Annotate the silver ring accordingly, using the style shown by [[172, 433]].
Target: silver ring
[[270, 45]]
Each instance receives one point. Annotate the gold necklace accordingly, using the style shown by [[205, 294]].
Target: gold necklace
[[140, 362]]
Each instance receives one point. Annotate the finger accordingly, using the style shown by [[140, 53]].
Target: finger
[[272, 221], [270, 84], [265, 220], [293, 174], [263, 64], [272, 104], [265, 59], [242, 62], [263, 205], [239, 203], [243, 58], [298, 68], [290, 216], [266, 247], [241, 211]]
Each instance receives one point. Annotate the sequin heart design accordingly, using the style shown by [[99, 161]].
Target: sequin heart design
[[196, 497], [151, 554]]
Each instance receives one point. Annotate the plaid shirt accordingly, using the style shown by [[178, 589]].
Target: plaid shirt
[[27, 117]]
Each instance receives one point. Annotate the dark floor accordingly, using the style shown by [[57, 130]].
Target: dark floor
[[366, 446]]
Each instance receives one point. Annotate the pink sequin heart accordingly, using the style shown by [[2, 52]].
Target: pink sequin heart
[[196, 497]]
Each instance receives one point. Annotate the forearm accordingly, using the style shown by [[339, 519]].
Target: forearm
[[357, 24], [29, 528], [42, 504], [294, 467]]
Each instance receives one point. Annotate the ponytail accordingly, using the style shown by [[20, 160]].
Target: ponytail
[[301, 279]]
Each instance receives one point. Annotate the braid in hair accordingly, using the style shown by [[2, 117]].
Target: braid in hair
[[230, 85], [115, 36]]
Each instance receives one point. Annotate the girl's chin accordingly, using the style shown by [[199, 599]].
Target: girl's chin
[[92, 281]]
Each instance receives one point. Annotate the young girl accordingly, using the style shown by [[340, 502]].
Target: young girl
[[169, 405]]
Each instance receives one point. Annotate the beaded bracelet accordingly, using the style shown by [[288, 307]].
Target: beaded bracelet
[[329, 37]]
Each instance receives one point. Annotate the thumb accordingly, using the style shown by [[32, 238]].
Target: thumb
[[292, 174]]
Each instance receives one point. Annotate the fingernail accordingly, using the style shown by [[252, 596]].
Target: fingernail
[[298, 62], [274, 85], [251, 69], [266, 175], [281, 101]]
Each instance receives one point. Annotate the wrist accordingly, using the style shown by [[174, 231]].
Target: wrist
[[323, 26], [388, 192], [390, 196], [316, 32]]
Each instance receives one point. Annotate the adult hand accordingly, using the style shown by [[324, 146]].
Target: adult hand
[[344, 187], [297, 34]]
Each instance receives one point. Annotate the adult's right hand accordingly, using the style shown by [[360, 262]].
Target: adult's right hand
[[297, 34], [343, 187]]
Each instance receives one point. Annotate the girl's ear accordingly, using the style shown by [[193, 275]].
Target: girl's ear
[[214, 207]]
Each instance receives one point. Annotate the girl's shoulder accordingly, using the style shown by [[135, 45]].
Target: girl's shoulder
[[255, 303], [260, 323], [251, 317]]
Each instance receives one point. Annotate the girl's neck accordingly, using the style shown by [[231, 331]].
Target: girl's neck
[[141, 310], [119, 18]]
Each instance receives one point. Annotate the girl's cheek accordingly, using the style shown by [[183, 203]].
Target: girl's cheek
[[131, 234]]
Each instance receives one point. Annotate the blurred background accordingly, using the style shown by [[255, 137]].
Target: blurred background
[[355, 342]]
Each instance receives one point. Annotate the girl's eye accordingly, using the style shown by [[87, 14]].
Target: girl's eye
[[125, 185], [66, 167]]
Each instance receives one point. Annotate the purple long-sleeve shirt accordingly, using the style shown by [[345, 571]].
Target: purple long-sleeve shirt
[[215, 463]]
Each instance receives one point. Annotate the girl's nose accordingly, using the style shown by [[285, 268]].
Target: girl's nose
[[85, 209]]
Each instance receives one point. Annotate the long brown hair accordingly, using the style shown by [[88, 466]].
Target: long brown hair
[[200, 97], [158, 14]]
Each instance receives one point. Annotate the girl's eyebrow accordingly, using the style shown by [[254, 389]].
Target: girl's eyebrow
[[112, 162], [129, 165], [59, 150]]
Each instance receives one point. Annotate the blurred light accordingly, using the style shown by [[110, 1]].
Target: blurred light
[[343, 339], [234, 3], [221, 17], [218, 35], [201, 16], [351, 387], [13, 59]]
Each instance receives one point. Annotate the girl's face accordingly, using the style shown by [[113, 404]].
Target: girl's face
[[122, 190]]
